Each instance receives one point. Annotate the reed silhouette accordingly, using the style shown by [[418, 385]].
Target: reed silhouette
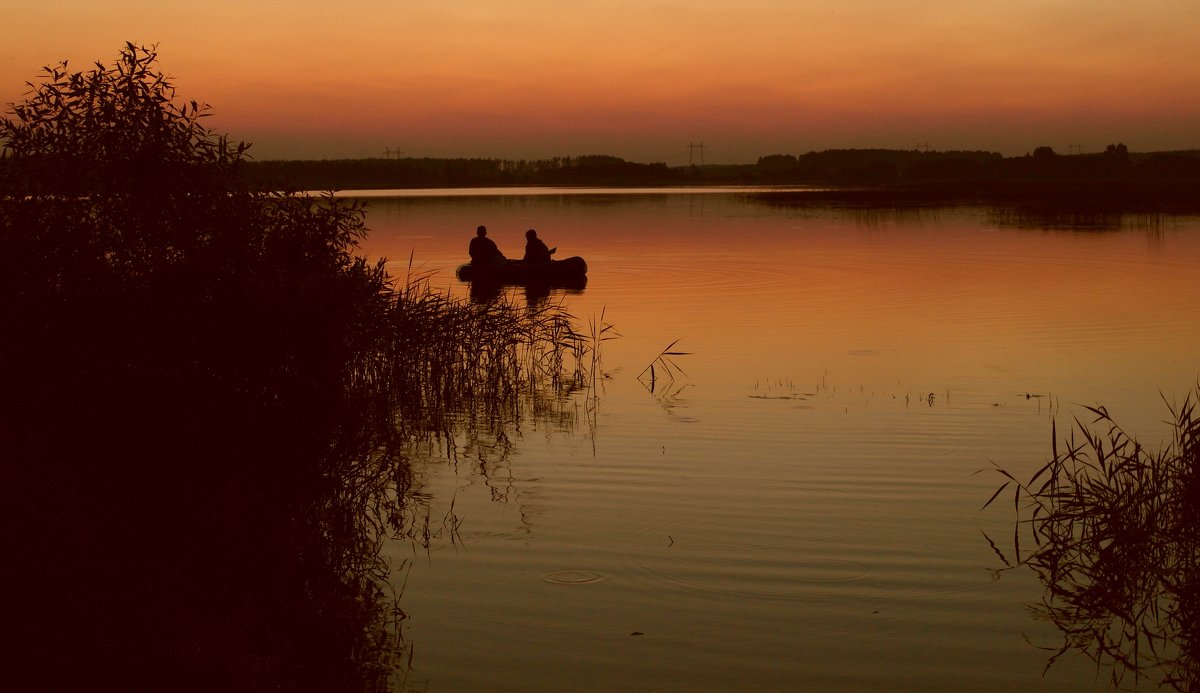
[[1111, 530], [210, 400]]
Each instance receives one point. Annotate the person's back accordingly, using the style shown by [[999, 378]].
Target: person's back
[[483, 250], [535, 249]]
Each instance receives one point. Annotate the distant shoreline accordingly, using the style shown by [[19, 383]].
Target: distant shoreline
[[1114, 181]]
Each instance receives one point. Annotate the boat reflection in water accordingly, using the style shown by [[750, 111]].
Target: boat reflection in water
[[487, 283], [567, 272]]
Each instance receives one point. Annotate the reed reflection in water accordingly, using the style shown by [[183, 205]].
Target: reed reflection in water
[[795, 510], [1110, 528], [177, 526]]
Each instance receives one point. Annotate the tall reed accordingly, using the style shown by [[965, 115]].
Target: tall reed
[[1112, 531], [662, 366]]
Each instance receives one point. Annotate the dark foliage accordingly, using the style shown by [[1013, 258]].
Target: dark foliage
[[186, 367], [207, 403]]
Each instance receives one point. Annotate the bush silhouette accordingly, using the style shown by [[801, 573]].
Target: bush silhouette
[[209, 400], [190, 434]]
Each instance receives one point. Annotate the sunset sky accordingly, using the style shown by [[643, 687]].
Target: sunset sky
[[643, 79]]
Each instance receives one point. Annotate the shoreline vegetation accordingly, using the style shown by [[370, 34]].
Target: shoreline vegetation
[[1110, 529], [1114, 180], [214, 411]]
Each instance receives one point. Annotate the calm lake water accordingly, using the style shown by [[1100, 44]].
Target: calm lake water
[[799, 507]]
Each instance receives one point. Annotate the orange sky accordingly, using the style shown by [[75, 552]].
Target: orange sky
[[641, 80]]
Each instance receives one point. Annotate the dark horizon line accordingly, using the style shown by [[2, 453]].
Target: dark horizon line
[[1193, 151]]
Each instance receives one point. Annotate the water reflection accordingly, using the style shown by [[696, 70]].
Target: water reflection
[[180, 527], [843, 507], [536, 293], [1116, 545], [1024, 218], [198, 499]]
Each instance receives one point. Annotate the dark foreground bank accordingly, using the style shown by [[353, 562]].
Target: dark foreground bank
[[209, 403]]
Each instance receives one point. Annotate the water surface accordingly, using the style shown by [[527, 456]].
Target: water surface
[[798, 507]]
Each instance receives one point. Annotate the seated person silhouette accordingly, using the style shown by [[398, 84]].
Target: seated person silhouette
[[483, 250], [535, 249]]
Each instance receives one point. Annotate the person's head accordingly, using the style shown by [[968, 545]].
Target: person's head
[[481, 231], [531, 234]]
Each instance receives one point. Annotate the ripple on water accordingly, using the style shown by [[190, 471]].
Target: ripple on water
[[781, 555], [720, 532], [776, 573], [573, 577]]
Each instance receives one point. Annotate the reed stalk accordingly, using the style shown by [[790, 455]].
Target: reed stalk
[[1111, 530]]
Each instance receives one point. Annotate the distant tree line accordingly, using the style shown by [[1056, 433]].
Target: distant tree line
[[1112, 181], [886, 168], [365, 174]]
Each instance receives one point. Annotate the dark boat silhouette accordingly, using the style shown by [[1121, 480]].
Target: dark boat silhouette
[[568, 272]]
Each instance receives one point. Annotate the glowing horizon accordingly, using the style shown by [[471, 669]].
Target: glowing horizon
[[534, 79]]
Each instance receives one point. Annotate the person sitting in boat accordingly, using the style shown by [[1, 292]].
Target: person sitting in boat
[[535, 249], [483, 250]]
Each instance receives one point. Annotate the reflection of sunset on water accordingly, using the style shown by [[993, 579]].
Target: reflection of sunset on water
[[938, 295], [800, 488]]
